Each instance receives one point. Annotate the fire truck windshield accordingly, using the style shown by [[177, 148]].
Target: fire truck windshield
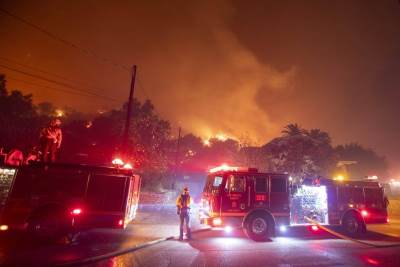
[[235, 183], [213, 183]]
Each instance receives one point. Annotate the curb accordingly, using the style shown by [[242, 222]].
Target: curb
[[123, 251]]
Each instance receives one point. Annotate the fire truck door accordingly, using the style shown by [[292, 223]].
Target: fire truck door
[[279, 195], [235, 198], [260, 196]]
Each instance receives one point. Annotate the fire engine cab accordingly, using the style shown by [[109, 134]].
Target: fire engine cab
[[262, 203], [53, 200], [234, 197]]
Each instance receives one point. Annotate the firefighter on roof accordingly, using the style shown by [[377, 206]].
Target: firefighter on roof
[[183, 203], [50, 140]]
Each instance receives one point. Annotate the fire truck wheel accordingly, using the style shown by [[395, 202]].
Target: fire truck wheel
[[353, 224], [48, 226], [258, 227]]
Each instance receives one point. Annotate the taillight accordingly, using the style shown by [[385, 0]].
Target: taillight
[[121, 222], [3, 227], [76, 211], [314, 228], [387, 220]]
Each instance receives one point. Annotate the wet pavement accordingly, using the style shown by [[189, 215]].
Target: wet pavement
[[151, 224], [299, 248]]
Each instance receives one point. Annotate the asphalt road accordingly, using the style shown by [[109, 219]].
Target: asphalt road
[[298, 248], [17, 249]]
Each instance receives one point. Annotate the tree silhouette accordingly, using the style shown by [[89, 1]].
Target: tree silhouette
[[292, 129], [301, 153], [319, 136], [19, 123], [368, 163]]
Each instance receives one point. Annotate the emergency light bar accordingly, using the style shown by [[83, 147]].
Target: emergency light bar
[[225, 167], [127, 166], [118, 162]]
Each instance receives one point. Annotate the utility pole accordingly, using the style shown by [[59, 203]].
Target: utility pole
[[125, 139], [178, 144]]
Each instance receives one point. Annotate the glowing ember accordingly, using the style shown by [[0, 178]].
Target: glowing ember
[[59, 113]]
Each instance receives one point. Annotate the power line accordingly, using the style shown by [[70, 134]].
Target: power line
[[48, 87], [49, 73], [146, 96], [141, 87], [57, 82], [64, 41]]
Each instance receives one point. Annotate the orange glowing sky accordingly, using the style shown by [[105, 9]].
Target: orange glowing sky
[[238, 68]]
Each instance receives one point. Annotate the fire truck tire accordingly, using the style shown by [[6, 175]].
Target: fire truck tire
[[48, 225], [353, 224], [259, 226]]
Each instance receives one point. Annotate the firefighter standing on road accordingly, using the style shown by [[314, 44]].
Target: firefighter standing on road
[[183, 203], [50, 140]]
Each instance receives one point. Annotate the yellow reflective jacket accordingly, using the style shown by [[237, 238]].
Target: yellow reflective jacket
[[184, 201]]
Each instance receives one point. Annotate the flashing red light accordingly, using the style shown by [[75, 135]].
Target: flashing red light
[[372, 261], [120, 222], [117, 161], [364, 213], [314, 228], [76, 211], [223, 167], [128, 166]]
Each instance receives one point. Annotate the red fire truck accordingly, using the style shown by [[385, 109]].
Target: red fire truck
[[260, 203], [52, 200]]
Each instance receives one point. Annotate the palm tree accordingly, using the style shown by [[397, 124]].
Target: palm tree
[[319, 135], [292, 129]]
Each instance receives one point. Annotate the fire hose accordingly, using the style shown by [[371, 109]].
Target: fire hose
[[349, 238]]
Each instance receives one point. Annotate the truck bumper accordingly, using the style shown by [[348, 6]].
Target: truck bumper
[[222, 221]]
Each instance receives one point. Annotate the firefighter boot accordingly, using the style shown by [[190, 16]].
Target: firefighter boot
[[189, 234], [181, 234]]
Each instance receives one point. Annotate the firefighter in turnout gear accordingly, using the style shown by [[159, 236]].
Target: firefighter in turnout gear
[[183, 203], [50, 140]]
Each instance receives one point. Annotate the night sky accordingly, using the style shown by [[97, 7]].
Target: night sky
[[241, 68]]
